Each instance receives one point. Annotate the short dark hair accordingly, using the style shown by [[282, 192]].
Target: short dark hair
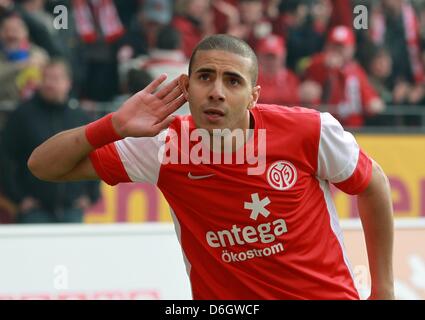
[[230, 44]]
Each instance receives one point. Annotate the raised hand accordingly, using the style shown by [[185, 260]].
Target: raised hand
[[148, 112]]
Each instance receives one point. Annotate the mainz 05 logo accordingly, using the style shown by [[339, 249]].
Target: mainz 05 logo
[[282, 175]]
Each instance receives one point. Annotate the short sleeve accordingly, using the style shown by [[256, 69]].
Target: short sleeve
[[129, 160], [108, 166], [340, 159]]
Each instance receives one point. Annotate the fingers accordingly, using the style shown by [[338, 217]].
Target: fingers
[[164, 123], [168, 109], [177, 103], [167, 89], [151, 87], [172, 95]]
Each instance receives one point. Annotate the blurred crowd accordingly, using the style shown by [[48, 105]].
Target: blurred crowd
[[309, 52], [58, 57]]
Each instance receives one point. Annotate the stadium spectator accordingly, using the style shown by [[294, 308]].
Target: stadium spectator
[[127, 10], [254, 24], [138, 80], [270, 233], [97, 19], [279, 85], [135, 81], [168, 58], [194, 20], [394, 24], [304, 27], [72, 48], [143, 32], [38, 31], [5, 7], [226, 14], [345, 86], [47, 113], [20, 61], [98, 27], [36, 9], [342, 13], [290, 13], [378, 67]]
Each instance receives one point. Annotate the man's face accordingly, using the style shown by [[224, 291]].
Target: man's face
[[12, 33], [344, 52], [381, 65], [56, 84], [219, 90]]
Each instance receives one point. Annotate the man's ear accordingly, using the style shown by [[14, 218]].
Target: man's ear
[[255, 95], [184, 85]]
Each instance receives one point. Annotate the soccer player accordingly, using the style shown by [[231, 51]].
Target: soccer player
[[267, 233]]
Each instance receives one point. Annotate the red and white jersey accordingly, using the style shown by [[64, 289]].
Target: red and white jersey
[[269, 236]]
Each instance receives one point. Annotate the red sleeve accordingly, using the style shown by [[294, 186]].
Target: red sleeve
[[108, 165], [360, 178]]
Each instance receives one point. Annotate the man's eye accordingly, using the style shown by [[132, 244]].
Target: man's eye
[[204, 76], [234, 81]]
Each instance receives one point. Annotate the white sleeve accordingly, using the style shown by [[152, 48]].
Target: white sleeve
[[338, 151], [141, 157]]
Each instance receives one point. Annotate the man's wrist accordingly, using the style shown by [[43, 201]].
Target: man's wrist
[[382, 293], [101, 132]]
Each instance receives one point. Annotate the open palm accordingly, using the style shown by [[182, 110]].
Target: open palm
[[148, 112]]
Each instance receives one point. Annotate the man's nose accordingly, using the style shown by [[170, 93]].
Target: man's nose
[[217, 92]]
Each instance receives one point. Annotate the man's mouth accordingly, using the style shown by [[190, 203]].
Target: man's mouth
[[213, 114], [214, 111]]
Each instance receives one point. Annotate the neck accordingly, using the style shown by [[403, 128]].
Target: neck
[[232, 140]]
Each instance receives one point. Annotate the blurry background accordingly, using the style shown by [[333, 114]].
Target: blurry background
[[65, 63]]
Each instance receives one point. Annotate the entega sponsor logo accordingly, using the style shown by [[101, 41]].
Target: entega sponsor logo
[[229, 256], [265, 233]]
